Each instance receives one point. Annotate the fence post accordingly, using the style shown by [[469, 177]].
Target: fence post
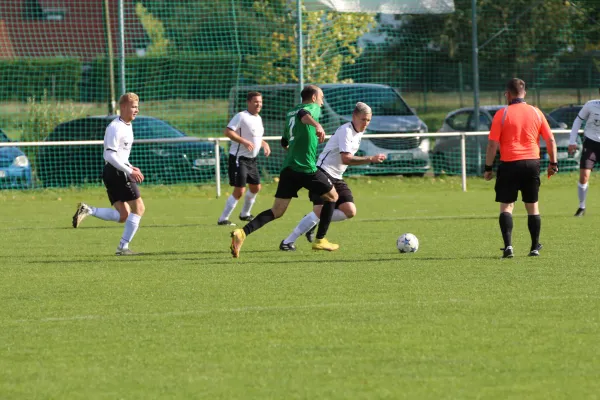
[[463, 160], [218, 167]]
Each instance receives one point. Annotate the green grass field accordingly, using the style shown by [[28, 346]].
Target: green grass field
[[185, 320]]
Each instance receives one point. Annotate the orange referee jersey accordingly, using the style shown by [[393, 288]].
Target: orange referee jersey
[[518, 128]]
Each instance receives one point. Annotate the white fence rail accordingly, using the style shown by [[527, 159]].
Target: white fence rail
[[217, 141]]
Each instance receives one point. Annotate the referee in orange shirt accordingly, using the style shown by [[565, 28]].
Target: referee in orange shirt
[[516, 130]]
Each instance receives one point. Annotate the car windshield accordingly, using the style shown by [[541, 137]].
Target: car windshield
[[150, 128], [382, 100]]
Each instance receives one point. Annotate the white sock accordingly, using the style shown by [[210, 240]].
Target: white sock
[[303, 226], [338, 215], [582, 192], [229, 206], [107, 214], [248, 203], [131, 227]]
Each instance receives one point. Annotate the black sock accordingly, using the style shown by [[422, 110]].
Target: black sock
[[534, 223], [261, 219], [506, 226], [326, 214]]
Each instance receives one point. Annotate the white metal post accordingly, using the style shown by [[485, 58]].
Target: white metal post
[[218, 167], [463, 160], [122, 47]]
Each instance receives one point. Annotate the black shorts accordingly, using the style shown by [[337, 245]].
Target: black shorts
[[119, 186], [523, 175], [291, 181], [590, 154], [243, 170], [342, 189]]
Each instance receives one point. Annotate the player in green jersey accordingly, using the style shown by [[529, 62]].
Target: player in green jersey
[[303, 134]]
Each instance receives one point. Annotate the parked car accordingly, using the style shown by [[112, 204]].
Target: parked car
[[567, 114], [446, 151], [159, 162], [391, 114], [15, 169]]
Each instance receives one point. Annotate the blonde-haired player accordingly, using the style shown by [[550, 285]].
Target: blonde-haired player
[[120, 177]]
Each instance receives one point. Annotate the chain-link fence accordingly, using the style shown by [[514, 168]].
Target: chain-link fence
[[63, 64]]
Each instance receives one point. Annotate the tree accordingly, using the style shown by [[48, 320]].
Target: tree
[[155, 30], [329, 43], [529, 38]]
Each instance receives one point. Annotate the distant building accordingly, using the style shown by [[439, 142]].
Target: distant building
[[65, 28]]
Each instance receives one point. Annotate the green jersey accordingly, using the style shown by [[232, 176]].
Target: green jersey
[[302, 139]]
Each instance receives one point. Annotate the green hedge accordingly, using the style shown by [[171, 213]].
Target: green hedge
[[23, 78], [168, 77]]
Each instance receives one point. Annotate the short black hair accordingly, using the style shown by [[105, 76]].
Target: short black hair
[[516, 87], [252, 95], [308, 92]]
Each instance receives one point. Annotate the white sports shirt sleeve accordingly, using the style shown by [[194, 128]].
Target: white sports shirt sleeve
[[250, 127], [344, 140], [591, 114], [118, 139]]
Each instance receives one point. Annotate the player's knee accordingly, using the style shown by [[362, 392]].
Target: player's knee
[[350, 213], [238, 193], [123, 215]]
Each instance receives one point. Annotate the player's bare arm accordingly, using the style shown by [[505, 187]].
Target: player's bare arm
[[307, 119], [238, 139], [350, 159], [266, 148], [552, 155], [490, 155]]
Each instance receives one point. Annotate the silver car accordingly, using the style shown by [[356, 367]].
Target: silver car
[[445, 155]]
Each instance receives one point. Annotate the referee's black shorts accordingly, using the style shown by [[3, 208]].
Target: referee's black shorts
[[119, 186], [243, 170], [342, 189], [515, 176], [290, 182]]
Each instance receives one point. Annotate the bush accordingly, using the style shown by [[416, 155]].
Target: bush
[[59, 78], [168, 77]]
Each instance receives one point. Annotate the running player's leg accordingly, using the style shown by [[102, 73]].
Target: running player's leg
[[237, 180], [131, 224], [287, 188], [588, 160], [253, 179], [114, 187]]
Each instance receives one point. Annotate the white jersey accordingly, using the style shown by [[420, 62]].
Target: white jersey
[[249, 127], [344, 140], [591, 114], [119, 138]]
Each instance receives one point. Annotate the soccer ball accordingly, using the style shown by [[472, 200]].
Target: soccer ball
[[407, 243]]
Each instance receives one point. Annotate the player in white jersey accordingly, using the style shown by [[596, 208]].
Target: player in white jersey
[[246, 132], [339, 152], [591, 147], [120, 177]]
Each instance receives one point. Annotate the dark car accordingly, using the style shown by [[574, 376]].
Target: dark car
[[446, 152], [15, 169], [159, 162], [567, 114]]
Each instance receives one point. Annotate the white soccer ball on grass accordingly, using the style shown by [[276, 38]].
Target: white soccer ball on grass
[[407, 243]]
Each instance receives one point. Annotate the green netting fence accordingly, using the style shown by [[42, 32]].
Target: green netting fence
[[62, 64]]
